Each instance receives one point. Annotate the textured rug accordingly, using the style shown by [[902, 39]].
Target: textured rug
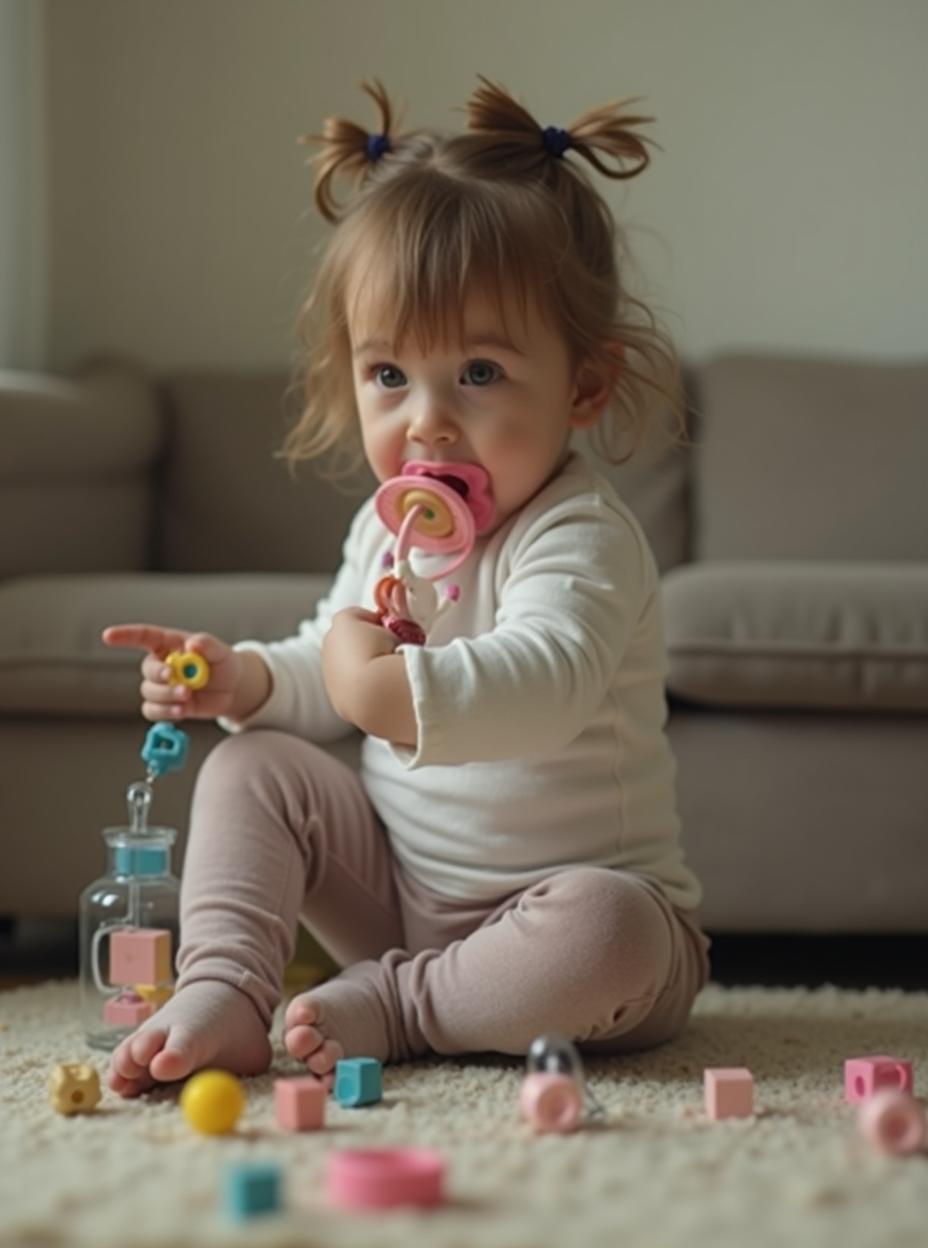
[[656, 1172]]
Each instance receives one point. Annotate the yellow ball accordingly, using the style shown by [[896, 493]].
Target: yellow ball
[[212, 1101]]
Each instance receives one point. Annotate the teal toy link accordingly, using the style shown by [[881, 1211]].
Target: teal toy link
[[165, 749]]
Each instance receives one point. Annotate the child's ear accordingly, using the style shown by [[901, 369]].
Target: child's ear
[[593, 385]]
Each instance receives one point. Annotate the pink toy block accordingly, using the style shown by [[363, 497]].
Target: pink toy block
[[140, 956], [383, 1178], [300, 1103], [893, 1122], [729, 1092], [865, 1075], [127, 1010]]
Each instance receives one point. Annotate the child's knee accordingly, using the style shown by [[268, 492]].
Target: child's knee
[[614, 931]]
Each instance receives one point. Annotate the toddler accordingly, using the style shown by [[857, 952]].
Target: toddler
[[507, 862]]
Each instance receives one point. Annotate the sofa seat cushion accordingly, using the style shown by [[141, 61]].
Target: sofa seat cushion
[[820, 636], [52, 661]]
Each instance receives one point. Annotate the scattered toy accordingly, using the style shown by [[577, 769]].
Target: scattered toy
[[358, 1081], [551, 1102], [865, 1075], [299, 1104], [73, 1088], [384, 1178], [212, 1101], [250, 1189], [729, 1092]]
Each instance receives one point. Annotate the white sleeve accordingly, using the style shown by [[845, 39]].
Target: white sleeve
[[576, 588], [298, 701]]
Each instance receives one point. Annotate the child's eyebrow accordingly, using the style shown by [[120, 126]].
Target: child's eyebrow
[[480, 339]]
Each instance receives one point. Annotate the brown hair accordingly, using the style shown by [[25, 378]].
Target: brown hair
[[433, 214]]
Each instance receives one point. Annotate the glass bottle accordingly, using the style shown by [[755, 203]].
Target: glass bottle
[[129, 928]]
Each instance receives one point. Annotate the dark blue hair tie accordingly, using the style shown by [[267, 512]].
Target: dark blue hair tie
[[556, 141], [377, 144]]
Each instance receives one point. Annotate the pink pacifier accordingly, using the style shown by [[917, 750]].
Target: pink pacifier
[[438, 508]]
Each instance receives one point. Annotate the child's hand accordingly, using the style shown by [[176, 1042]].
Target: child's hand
[[161, 700]]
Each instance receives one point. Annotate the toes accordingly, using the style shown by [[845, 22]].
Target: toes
[[301, 1041], [302, 1011], [170, 1064], [145, 1044], [130, 1059], [126, 1087], [323, 1061]]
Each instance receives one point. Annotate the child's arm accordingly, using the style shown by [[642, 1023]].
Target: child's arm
[[365, 680]]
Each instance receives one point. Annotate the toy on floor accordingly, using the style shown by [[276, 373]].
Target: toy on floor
[[212, 1101], [729, 1092], [441, 509], [299, 1104], [385, 1178], [358, 1081], [129, 917], [865, 1075], [893, 1121], [555, 1090], [73, 1088], [251, 1188]]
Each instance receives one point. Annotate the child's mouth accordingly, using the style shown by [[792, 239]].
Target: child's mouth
[[468, 480]]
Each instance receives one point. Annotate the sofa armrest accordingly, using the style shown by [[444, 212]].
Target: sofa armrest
[[75, 470], [814, 636]]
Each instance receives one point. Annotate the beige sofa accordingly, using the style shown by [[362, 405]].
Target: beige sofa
[[793, 538]]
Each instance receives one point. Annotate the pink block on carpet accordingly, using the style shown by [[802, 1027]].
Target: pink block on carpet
[[729, 1092], [865, 1075], [299, 1104]]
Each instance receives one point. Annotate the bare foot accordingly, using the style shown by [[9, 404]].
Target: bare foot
[[207, 1023], [341, 1018], [306, 1038]]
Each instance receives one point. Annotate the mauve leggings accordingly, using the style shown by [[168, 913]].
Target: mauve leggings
[[280, 831]]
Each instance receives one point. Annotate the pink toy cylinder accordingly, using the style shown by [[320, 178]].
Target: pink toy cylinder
[[381, 1178], [551, 1102], [893, 1122]]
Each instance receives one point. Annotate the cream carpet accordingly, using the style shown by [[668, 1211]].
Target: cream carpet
[[657, 1173]]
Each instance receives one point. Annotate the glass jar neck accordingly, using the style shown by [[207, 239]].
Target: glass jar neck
[[134, 855]]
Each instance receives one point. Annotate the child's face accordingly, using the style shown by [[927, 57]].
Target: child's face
[[509, 408]]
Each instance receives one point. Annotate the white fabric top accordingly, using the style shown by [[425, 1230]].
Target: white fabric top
[[539, 702]]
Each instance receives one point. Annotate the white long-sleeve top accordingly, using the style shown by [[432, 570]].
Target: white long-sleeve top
[[539, 702]]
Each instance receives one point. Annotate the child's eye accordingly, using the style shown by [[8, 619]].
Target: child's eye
[[479, 370], [383, 372]]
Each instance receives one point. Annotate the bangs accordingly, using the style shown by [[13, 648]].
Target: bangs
[[422, 255]]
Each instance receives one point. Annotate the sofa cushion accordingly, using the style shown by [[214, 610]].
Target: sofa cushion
[[227, 504], [76, 470], [811, 459], [801, 635], [52, 661]]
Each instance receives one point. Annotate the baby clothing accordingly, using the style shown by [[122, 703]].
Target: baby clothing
[[539, 702], [520, 869]]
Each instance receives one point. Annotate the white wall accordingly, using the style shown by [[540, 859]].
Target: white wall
[[787, 209], [23, 296]]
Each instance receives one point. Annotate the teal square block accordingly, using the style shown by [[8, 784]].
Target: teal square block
[[250, 1189], [358, 1081]]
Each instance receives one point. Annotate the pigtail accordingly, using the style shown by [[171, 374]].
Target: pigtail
[[493, 113], [348, 149]]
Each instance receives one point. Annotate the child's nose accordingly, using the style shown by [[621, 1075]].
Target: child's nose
[[433, 424]]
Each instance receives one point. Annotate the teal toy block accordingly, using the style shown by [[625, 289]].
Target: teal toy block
[[358, 1081], [165, 747], [250, 1189]]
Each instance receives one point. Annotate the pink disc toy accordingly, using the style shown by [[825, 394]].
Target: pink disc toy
[[382, 1178], [893, 1122]]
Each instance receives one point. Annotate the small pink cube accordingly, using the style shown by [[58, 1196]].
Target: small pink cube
[[300, 1103], [729, 1092], [140, 955], [127, 1010], [865, 1075]]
